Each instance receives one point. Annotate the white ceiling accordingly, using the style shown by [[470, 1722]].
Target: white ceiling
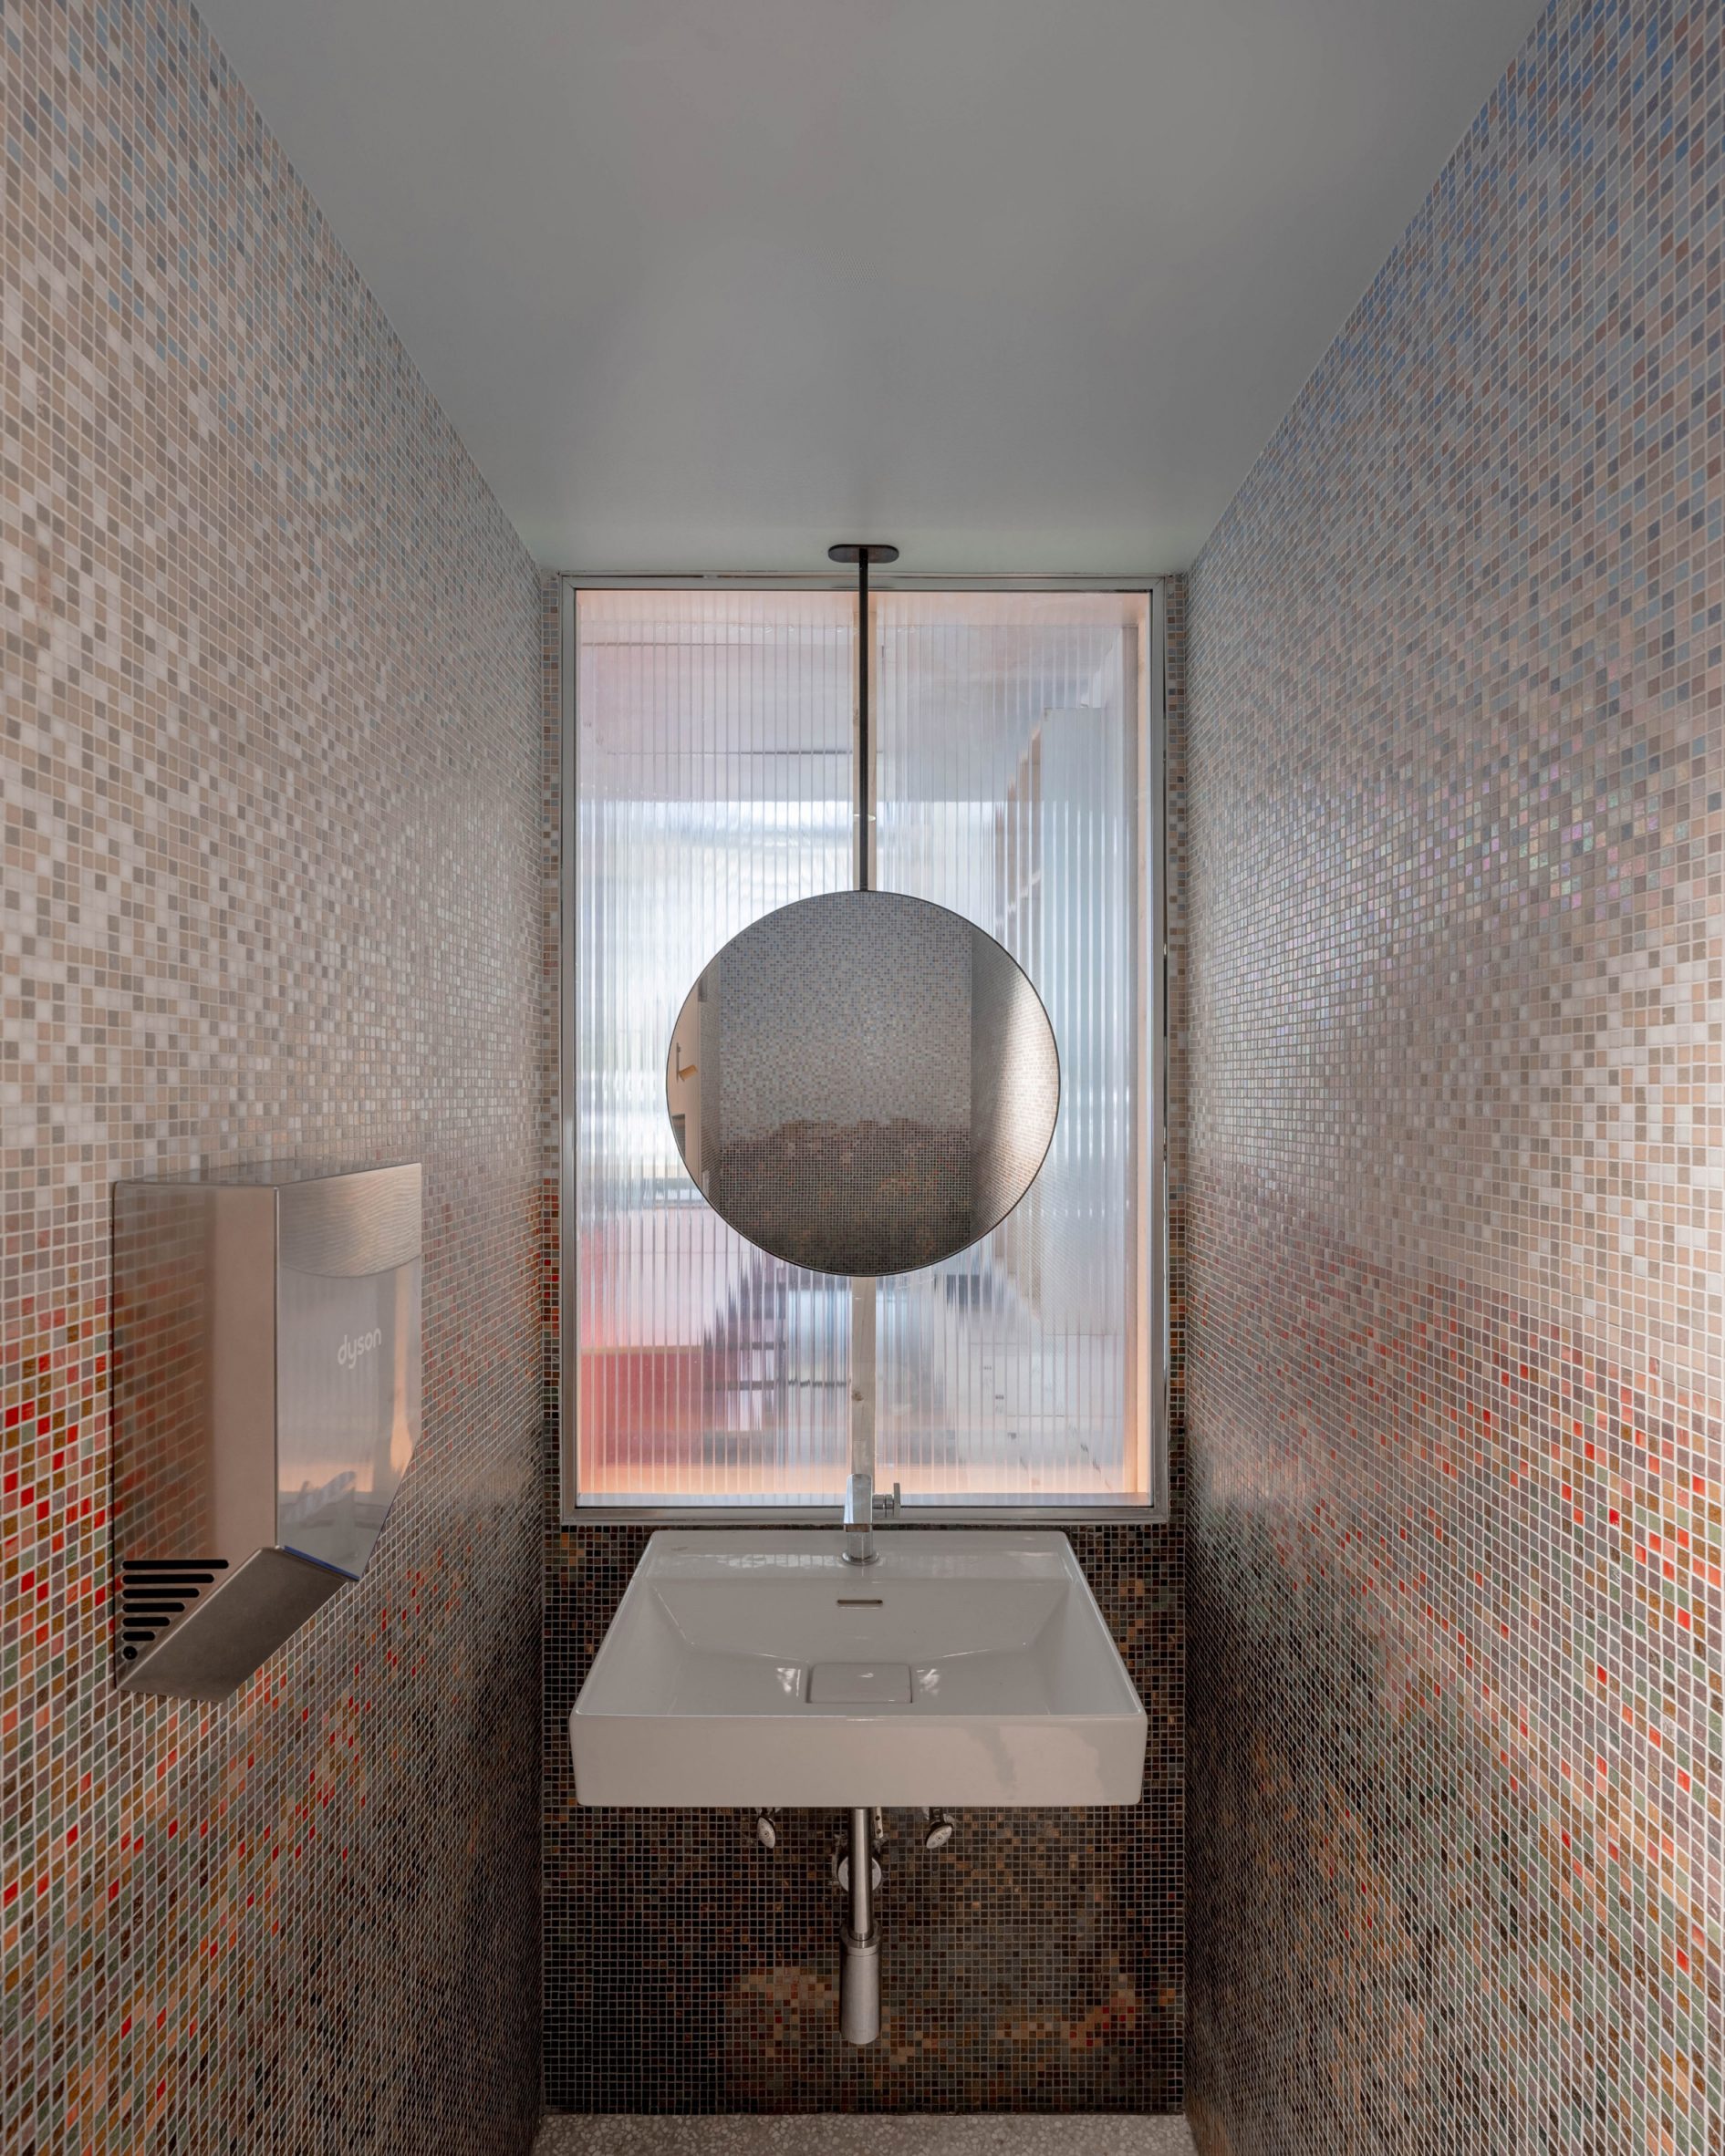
[[1018, 286]]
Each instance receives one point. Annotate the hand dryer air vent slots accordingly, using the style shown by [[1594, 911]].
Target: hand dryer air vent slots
[[266, 1401]]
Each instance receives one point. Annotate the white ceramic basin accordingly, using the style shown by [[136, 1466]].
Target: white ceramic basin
[[964, 1667]]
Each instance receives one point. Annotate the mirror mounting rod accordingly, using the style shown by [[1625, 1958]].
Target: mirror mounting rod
[[859, 1535], [855, 551]]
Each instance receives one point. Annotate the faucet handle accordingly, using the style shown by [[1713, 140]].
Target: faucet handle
[[889, 1507]]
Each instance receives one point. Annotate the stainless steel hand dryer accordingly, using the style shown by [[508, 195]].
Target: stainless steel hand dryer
[[265, 1386]]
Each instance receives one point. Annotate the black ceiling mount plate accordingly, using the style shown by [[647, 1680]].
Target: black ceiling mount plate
[[850, 551]]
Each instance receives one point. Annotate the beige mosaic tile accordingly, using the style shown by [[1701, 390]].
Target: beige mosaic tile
[[1456, 1336], [269, 770]]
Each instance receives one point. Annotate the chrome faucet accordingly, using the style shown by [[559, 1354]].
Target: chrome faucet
[[859, 1518], [859, 1521]]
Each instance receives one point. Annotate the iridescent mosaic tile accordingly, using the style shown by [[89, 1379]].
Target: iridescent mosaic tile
[[1036, 1963], [269, 764], [1031, 1964], [1456, 1349]]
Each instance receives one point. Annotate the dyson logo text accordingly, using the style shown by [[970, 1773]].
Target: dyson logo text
[[350, 1350]]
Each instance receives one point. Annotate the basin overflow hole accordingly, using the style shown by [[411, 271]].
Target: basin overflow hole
[[862, 1602]]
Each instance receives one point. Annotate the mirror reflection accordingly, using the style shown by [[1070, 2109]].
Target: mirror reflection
[[863, 1082]]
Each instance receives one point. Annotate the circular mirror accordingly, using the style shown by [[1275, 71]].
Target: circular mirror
[[863, 1082]]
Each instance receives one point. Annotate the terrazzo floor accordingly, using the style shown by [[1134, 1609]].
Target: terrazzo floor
[[870, 2134]]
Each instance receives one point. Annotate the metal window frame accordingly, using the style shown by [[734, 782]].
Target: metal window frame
[[1152, 1511]]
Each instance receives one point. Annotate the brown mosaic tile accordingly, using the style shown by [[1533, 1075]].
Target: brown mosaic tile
[[1035, 1965], [269, 770], [1031, 1964], [942, 2135], [1178, 1083], [1457, 1237]]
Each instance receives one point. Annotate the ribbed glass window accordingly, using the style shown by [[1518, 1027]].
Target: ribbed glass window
[[1009, 790], [713, 769]]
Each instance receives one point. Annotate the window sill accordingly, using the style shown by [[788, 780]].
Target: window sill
[[1053, 1514]]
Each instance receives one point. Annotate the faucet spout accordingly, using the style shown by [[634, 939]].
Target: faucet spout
[[859, 1521], [861, 1502]]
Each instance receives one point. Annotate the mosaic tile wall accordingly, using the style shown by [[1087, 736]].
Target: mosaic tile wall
[[270, 765], [1037, 1963], [1455, 1348], [1031, 1964]]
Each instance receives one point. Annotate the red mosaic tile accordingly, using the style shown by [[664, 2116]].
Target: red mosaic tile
[[1456, 1342], [269, 771]]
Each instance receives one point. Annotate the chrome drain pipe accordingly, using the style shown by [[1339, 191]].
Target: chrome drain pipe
[[859, 1983]]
